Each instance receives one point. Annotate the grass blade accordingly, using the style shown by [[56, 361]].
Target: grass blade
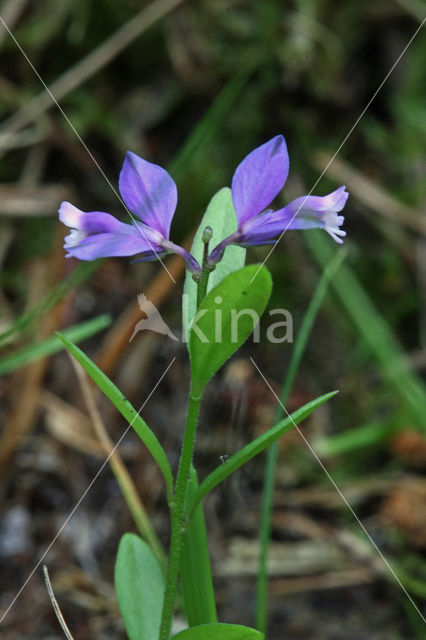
[[367, 435], [375, 332], [271, 460], [49, 301], [53, 344]]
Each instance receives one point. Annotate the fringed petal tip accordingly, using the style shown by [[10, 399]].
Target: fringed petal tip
[[74, 238], [332, 224]]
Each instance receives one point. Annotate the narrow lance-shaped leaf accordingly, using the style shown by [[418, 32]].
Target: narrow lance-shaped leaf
[[139, 583], [254, 448], [225, 319], [195, 574], [219, 631], [220, 216], [126, 409]]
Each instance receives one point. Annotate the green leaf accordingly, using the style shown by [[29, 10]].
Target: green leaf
[[126, 409], [220, 216], [255, 447], [195, 574], [219, 631], [367, 435], [139, 583], [218, 330], [53, 344]]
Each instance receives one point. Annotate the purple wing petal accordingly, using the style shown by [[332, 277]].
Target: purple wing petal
[[105, 245], [89, 222], [190, 262], [317, 206], [307, 212], [149, 192], [259, 178]]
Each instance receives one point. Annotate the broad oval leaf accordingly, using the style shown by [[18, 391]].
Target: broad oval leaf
[[220, 216], [225, 319], [219, 631], [139, 584]]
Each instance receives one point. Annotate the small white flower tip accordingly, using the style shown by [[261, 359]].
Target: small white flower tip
[[74, 238], [69, 214], [332, 224]]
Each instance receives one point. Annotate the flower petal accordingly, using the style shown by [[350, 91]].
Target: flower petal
[[259, 178], [190, 262], [105, 245], [149, 192], [315, 206], [90, 221], [307, 212]]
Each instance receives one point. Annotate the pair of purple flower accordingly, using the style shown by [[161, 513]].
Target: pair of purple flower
[[150, 194]]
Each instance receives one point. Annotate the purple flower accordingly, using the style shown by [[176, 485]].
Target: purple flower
[[150, 194], [256, 182]]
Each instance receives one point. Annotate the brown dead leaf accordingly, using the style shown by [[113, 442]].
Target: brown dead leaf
[[70, 426]]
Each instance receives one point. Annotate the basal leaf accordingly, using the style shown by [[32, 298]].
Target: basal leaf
[[139, 584], [195, 573], [225, 319], [219, 631]]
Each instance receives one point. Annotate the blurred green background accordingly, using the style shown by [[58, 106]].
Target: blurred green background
[[194, 86]]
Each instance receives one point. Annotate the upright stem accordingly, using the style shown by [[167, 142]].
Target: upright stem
[[178, 524], [177, 516], [205, 267]]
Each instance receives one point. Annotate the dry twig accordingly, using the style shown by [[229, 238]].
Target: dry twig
[[10, 12], [118, 468], [87, 67], [55, 605]]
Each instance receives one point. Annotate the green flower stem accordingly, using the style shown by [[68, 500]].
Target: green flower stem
[[195, 575], [272, 454], [205, 268], [178, 516]]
